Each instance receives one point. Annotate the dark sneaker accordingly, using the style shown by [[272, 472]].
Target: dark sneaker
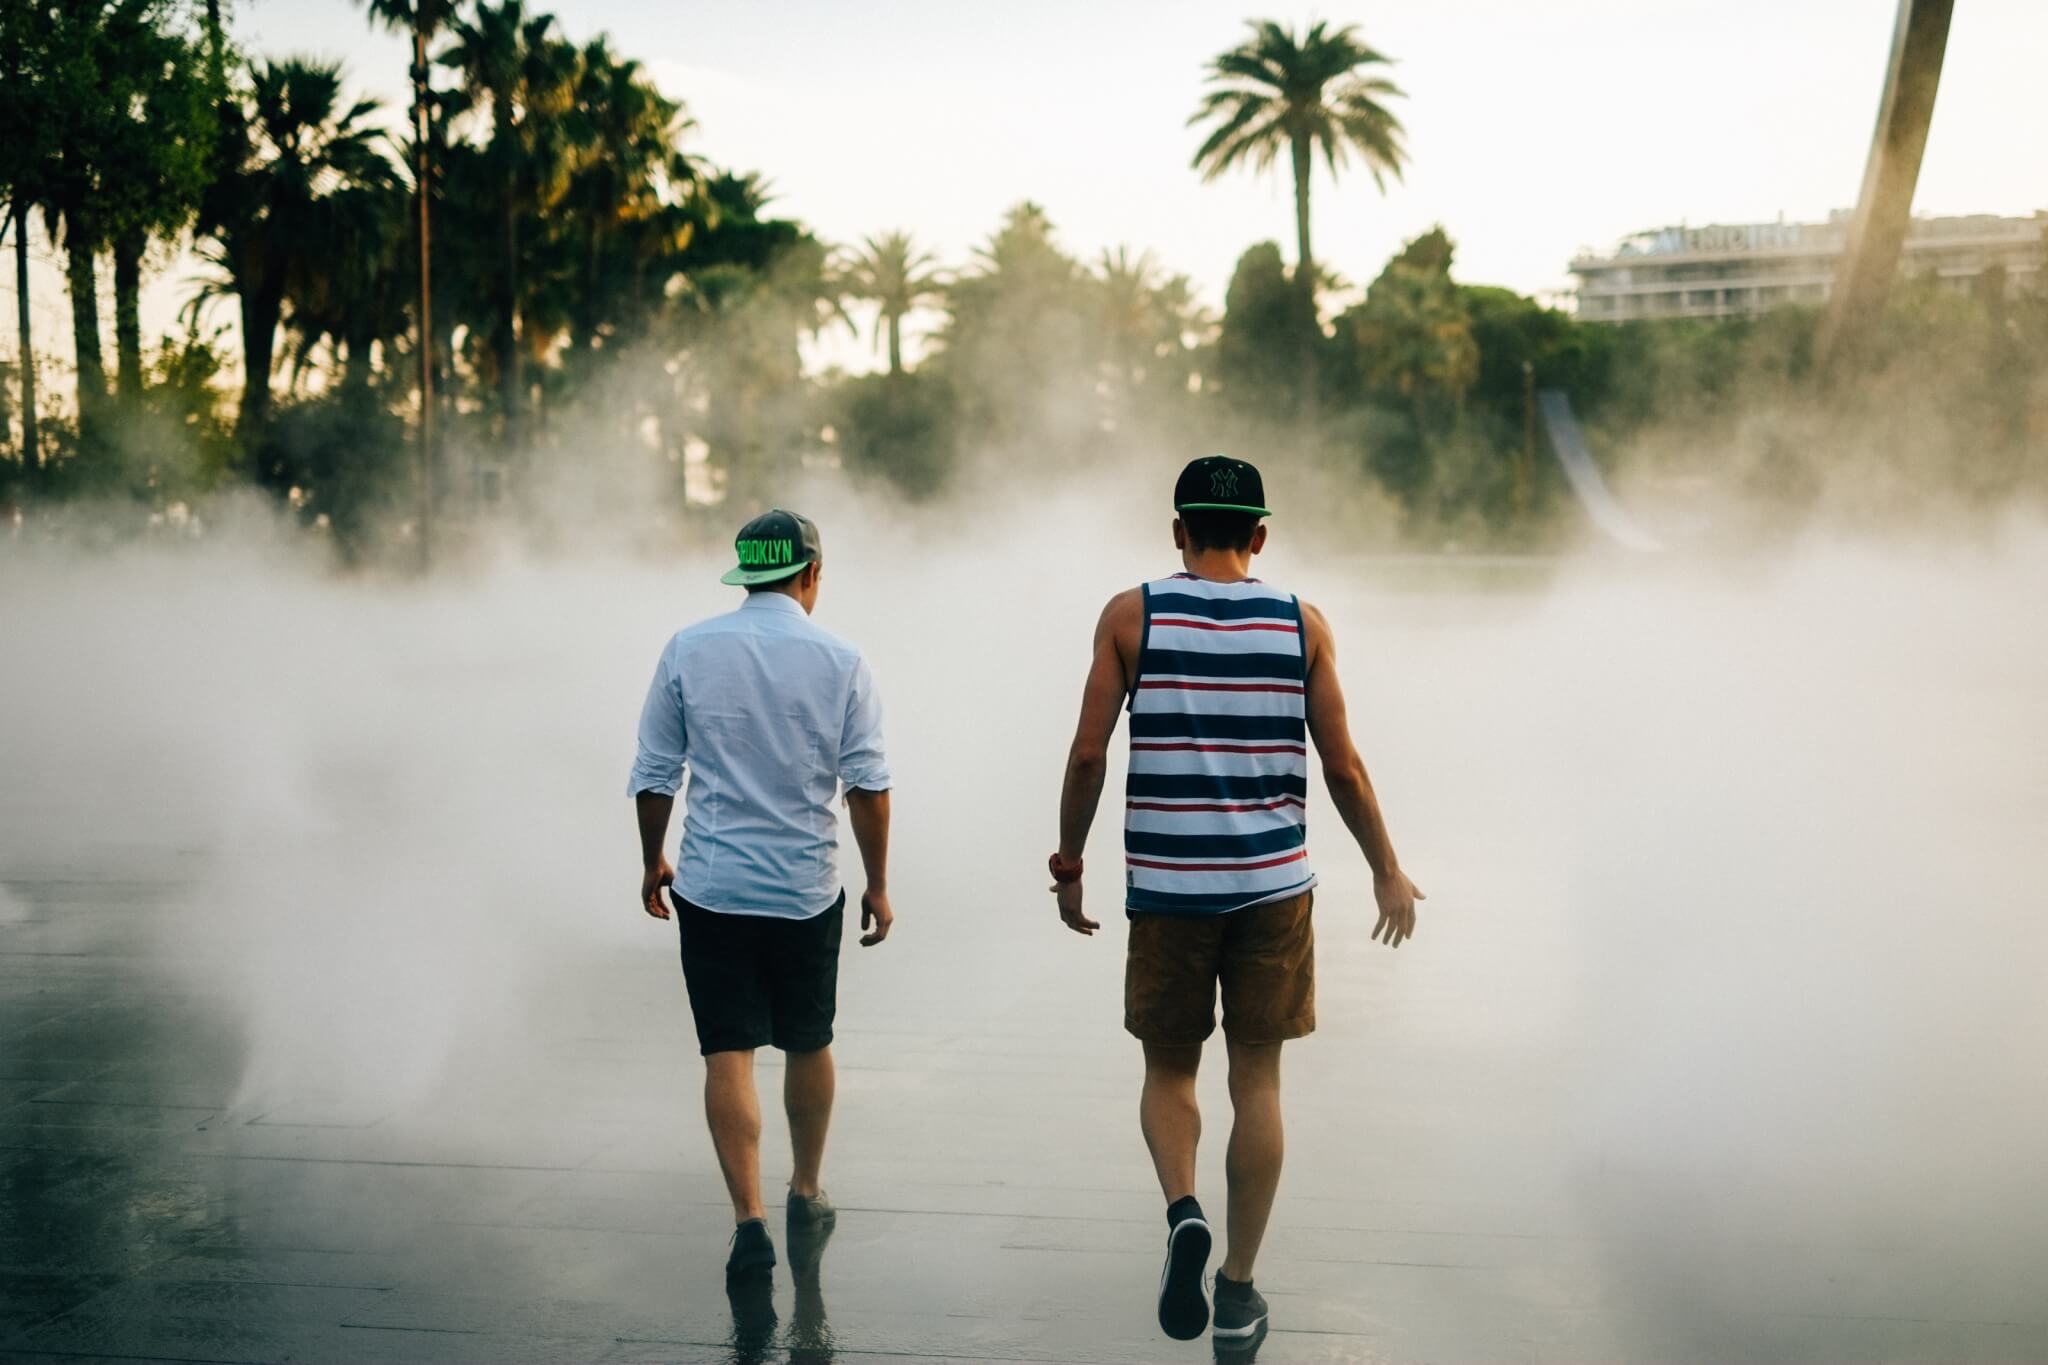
[[811, 1220], [1240, 1317], [811, 1211], [1183, 1306], [753, 1254]]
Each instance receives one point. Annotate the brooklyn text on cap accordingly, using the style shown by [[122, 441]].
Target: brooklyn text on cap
[[773, 546], [1222, 484]]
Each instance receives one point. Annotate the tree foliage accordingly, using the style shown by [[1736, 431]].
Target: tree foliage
[[1300, 93], [609, 304]]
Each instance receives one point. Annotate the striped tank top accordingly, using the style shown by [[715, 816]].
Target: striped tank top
[[1216, 808]]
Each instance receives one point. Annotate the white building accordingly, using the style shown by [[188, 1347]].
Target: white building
[[1745, 269]]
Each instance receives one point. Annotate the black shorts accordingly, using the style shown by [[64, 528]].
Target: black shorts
[[761, 980]]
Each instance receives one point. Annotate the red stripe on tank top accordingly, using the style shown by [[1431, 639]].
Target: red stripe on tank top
[[1189, 623], [1217, 805]]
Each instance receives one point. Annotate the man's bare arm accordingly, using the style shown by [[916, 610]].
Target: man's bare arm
[[1350, 786], [652, 809], [1109, 682], [869, 813]]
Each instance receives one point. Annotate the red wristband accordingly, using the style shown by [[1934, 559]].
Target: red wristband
[[1063, 872]]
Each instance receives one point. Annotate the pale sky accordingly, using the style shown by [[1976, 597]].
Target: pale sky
[[1534, 128]]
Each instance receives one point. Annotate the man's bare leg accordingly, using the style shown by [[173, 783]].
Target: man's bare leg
[[1257, 1145], [1169, 1116], [734, 1113], [808, 1082]]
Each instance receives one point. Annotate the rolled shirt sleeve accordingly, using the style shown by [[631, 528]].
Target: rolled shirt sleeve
[[862, 761], [658, 767]]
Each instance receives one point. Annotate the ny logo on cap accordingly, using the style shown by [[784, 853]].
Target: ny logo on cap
[[1223, 483]]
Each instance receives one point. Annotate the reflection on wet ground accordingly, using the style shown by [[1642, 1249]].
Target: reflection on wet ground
[[557, 1201]]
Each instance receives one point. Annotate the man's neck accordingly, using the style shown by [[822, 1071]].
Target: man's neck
[[1218, 566]]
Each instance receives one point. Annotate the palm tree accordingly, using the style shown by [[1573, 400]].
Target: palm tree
[[1278, 90], [511, 60], [1149, 322], [356, 297], [622, 134], [1131, 322], [26, 126], [894, 273], [422, 19], [298, 150], [155, 153]]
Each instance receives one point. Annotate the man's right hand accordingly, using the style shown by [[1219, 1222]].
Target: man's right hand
[[1396, 896], [875, 912], [1069, 895], [654, 881]]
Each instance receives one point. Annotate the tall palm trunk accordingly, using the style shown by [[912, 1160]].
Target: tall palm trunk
[[506, 342], [128, 248], [508, 326], [1306, 271], [895, 342], [424, 146], [31, 458], [82, 269], [216, 49], [587, 307], [261, 306], [1303, 165], [355, 364]]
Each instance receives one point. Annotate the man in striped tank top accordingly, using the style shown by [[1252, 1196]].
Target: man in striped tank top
[[1226, 679]]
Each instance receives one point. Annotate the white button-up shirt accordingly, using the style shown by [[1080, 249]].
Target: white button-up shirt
[[771, 714]]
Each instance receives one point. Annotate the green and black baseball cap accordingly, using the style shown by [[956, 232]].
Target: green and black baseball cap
[[772, 547], [1220, 483]]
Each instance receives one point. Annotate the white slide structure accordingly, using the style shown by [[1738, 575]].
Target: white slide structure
[[1568, 443]]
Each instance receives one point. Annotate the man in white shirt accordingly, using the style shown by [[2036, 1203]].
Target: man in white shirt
[[773, 716]]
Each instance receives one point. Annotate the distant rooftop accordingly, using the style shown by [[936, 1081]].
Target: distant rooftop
[[1716, 239], [1726, 270]]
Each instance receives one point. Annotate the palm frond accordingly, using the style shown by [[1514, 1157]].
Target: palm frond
[[1278, 85]]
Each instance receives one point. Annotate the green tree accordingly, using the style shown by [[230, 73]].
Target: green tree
[[77, 48], [1414, 334], [117, 96], [1150, 326], [899, 428], [1020, 346], [358, 296], [297, 150], [510, 61], [1301, 92], [754, 286], [156, 157], [892, 272], [1410, 346], [1267, 324], [627, 227], [422, 21], [29, 122]]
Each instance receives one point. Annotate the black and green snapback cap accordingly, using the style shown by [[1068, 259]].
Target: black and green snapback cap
[[773, 546], [1220, 483]]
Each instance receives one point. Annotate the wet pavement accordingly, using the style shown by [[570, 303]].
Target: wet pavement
[[554, 1199]]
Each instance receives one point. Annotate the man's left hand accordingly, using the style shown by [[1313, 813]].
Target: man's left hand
[[1396, 897], [875, 917], [1069, 897], [653, 882]]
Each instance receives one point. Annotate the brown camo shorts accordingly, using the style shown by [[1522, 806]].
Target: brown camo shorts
[[1263, 956]]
